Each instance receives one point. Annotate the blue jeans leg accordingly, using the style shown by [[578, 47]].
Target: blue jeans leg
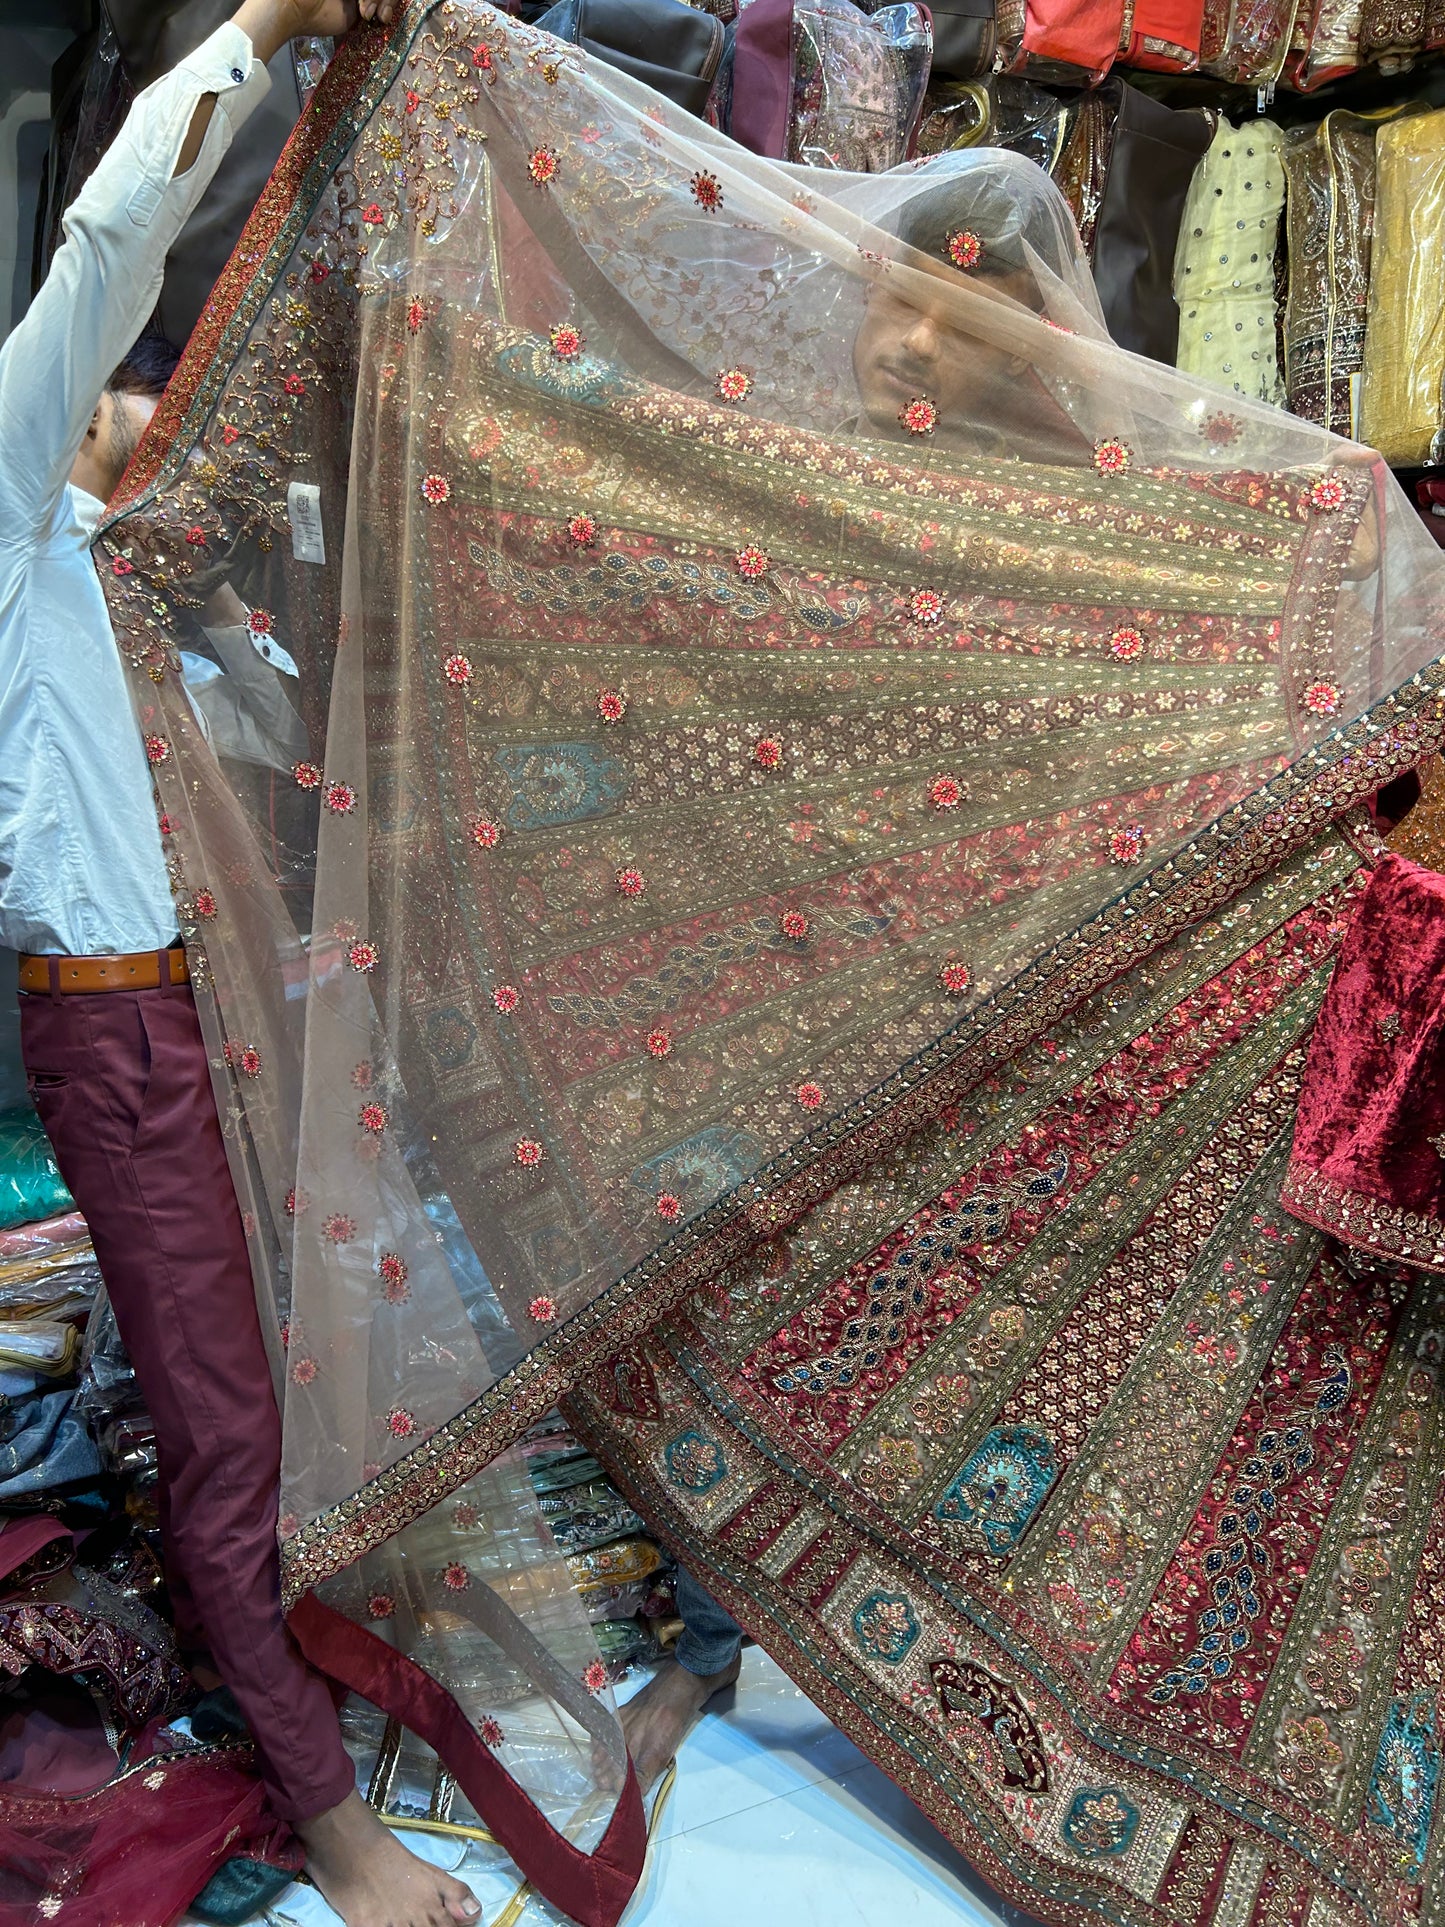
[[711, 1638]]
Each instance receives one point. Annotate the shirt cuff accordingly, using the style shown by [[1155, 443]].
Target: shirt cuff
[[226, 65]]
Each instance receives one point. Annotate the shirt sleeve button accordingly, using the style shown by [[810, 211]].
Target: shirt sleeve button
[[237, 76]]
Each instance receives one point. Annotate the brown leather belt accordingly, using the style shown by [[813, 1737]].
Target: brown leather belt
[[86, 975]]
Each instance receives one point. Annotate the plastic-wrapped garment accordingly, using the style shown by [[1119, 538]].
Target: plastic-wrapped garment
[[956, 114], [1401, 408], [1327, 42], [1028, 120], [1162, 35], [1224, 272], [562, 1473], [1152, 156], [1329, 227], [1063, 43], [620, 1642], [1247, 41], [965, 37], [40, 1240], [624, 1563], [588, 1515], [38, 1345], [31, 1186], [109, 1400], [858, 84], [60, 1283], [603, 1603], [109, 1396], [1081, 166]]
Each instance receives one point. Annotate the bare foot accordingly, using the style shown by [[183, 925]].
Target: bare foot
[[657, 1720], [370, 1879]]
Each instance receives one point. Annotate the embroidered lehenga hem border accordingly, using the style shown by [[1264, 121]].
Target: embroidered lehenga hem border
[[906, 1746]]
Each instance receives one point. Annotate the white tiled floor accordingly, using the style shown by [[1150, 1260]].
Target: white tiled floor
[[774, 1816]]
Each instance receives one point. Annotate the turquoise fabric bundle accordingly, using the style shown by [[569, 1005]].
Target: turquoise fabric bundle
[[31, 1186]]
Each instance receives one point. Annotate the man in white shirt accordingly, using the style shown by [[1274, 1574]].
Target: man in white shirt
[[113, 1048]]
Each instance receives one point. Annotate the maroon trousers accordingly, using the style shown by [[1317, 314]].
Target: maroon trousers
[[122, 1085]]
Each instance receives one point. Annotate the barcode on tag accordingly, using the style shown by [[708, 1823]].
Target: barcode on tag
[[303, 505]]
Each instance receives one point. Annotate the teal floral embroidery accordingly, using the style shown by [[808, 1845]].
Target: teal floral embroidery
[[701, 1168], [695, 1462], [1240, 1553], [449, 1037], [1001, 1486], [1100, 1822], [556, 783], [1403, 1782], [885, 1627], [580, 377]]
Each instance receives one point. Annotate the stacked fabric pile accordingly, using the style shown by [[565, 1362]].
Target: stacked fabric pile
[[89, 1673], [623, 1577], [48, 1284]]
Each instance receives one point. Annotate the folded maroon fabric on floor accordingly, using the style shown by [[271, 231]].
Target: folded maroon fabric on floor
[[139, 1849]]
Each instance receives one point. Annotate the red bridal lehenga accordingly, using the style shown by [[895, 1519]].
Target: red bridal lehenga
[[802, 931]]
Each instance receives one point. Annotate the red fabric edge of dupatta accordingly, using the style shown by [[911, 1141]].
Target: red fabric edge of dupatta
[[592, 1888]]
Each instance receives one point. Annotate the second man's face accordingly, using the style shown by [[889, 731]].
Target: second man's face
[[914, 347]]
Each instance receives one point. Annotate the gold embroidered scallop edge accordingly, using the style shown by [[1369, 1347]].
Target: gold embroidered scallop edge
[[1360, 1220]]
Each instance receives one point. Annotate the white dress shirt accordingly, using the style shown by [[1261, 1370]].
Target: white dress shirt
[[81, 865]]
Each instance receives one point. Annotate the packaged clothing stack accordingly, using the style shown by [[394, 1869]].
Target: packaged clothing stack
[[90, 1678], [1402, 401], [1330, 225], [111, 1405], [48, 1284], [622, 1576]]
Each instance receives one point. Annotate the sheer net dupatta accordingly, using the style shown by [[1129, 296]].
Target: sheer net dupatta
[[762, 656]]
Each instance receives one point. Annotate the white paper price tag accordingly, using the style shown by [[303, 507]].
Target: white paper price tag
[[303, 505]]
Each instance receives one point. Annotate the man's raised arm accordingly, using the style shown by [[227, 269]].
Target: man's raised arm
[[106, 276]]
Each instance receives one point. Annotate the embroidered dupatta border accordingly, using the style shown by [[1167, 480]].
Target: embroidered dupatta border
[[353, 86], [1331, 778], [895, 1740]]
